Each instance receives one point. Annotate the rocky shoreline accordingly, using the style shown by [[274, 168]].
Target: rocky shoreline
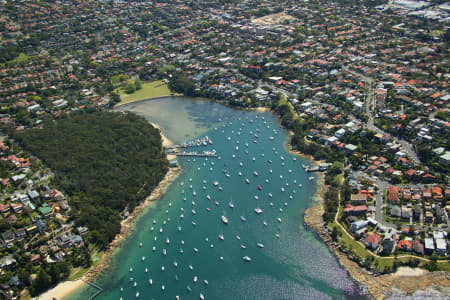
[[429, 285], [65, 288], [127, 225]]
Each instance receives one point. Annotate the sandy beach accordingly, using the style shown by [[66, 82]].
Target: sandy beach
[[62, 290], [151, 98], [65, 288]]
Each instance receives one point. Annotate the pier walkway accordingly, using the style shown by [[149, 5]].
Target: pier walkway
[[99, 289], [200, 154], [202, 141]]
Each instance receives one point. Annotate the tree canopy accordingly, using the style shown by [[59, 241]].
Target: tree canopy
[[104, 161]]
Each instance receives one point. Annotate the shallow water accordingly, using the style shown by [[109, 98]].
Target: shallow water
[[294, 265]]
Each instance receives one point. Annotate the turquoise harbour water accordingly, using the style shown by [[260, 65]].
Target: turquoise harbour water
[[293, 264]]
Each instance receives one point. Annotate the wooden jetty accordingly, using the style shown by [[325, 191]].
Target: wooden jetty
[[312, 169], [99, 289], [201, 154]]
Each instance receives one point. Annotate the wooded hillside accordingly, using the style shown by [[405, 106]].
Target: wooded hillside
[[104, 161]]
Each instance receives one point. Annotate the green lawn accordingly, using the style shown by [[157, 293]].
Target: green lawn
[[149, 90], [77, 273], [380, 263], [444, 266]]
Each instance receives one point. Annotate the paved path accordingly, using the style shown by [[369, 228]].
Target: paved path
[[364, 246]]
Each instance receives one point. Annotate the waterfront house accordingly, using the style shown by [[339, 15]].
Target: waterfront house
[[373, 241], [429, 245], [388, 245], [358, 225], [358, 199], [441, 247], [404, 245], [351, 210], [417, 247]]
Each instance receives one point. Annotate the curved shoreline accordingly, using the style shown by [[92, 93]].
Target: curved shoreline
[[405, 281], [378, 287], [117, 105], [65, 288]]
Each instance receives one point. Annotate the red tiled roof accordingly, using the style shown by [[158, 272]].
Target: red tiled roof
[[404, 244], [373, 238], [393, 193]]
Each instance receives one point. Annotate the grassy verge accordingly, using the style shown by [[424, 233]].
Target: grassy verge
[[444, 266], [378, 264], [77, 273], [149, 90]]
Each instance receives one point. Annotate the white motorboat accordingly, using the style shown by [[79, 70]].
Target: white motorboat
[[224, 220]]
